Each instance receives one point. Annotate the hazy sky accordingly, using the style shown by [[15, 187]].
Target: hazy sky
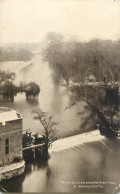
[[30, 20]]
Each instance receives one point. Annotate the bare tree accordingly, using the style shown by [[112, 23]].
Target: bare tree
[[49, 130]]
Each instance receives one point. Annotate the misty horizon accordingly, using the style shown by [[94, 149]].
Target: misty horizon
[[29, 21]]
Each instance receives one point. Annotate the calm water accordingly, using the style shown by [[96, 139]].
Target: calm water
[[52, 99], [90, 162]]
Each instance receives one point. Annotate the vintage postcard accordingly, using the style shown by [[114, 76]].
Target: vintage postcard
[[60, 96]]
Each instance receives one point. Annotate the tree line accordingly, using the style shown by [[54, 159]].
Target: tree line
[[73, 60], [13, 54]]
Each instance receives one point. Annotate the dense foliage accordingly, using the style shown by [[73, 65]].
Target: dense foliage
[[93, 68], [8, 89], [102, 106], [74, 60], [32, 89]]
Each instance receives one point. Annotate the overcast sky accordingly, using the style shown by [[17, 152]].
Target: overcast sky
[[30, 20]]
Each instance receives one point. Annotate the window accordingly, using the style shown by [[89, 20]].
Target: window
[[7, 146]]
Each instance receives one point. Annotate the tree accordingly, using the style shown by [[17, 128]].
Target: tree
[[32, 89], [9, 91], [74, 60], [53, 53], [54, 38], [49, 130], [103, 110]]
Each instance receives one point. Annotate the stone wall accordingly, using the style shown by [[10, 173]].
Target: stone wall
[[13, 131], [11, 125], [12, 170]]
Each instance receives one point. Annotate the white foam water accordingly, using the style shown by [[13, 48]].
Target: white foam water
[[76, 140]]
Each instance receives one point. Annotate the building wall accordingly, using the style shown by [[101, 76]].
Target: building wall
[[13, 131]]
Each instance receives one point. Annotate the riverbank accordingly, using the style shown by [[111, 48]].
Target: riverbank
[[12, 170]]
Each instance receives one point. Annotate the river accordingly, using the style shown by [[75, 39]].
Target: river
[[53, 99], [92, 166]]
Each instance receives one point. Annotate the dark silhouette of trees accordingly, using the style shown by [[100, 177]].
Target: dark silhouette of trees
[[102, 108], [9, 91], [32, 90]]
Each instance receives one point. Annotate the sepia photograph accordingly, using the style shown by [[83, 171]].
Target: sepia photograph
[[59, 96]]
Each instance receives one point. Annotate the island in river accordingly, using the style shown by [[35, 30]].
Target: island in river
[[8, 90]]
